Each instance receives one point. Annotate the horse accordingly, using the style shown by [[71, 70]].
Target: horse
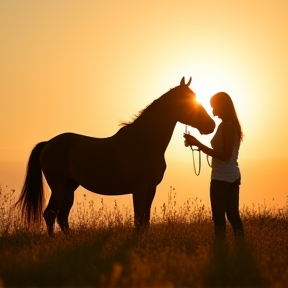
[[129, 162]]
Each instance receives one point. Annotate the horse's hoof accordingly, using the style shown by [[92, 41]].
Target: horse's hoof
[[50, 232], [49, 217]]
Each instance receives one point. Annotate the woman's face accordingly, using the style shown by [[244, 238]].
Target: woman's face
[[216, 109]]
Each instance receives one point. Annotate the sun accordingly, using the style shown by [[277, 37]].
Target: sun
[[208, 80], [205, 88]]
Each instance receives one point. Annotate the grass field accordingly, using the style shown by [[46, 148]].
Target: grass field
[[103, 250]]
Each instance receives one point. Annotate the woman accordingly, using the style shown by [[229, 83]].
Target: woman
[[225, 175]]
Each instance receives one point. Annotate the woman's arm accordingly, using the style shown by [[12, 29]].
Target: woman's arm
[[228, 132]]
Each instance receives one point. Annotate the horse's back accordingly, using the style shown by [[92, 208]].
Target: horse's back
[[70, 145]]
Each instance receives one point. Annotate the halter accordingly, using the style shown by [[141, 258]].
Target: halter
[[199, 157]]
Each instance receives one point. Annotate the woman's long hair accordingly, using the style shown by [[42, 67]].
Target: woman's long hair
[[224, 101]]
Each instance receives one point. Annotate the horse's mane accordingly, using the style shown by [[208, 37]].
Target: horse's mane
[[136, 116]]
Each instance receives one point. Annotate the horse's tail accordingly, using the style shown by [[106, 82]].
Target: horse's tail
[[32, 197]]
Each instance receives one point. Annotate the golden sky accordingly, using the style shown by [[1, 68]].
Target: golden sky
[[83, 66]]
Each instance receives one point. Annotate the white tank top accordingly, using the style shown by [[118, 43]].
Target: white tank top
[[225, 171]]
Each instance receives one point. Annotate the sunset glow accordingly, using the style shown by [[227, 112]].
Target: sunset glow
[[84, 66]]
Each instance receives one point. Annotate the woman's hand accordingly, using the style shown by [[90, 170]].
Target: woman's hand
[[190, 140]]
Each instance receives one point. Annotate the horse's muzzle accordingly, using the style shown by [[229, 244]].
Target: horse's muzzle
[[209, 128]]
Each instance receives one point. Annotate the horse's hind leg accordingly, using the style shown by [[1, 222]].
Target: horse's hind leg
[[51, 210], [59, 194], [66, 204]]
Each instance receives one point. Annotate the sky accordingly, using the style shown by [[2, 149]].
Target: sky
[[84, 66]]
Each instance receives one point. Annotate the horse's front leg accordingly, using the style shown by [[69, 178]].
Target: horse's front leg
[[142, 201], [149, 199]]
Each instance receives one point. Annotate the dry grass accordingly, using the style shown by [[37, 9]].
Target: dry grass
[[103, 250]]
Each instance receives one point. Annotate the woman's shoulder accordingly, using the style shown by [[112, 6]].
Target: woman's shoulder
[[228, 128], [228, 125]]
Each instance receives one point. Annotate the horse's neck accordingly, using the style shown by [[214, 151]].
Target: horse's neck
[[156, 128]]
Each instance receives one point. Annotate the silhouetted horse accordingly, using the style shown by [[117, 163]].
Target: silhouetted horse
[[129, 162]]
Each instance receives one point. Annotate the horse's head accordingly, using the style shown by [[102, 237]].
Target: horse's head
[[190, 111]]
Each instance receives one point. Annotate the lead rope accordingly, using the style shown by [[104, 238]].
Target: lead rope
[[208, 161], [199, 161], [199, 157]]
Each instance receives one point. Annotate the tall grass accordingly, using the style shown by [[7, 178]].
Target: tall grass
[[104, 250]]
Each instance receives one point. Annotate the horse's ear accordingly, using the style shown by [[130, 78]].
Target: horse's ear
[[182, 83]]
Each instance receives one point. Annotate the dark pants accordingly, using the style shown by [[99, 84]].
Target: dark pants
[[224, 198]]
